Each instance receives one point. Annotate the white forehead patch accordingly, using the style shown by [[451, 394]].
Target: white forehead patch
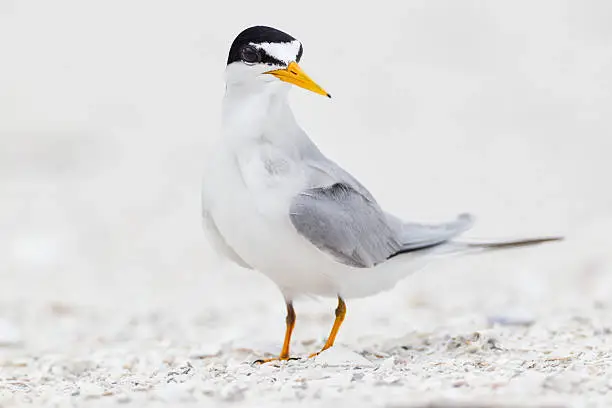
[[285, 52]]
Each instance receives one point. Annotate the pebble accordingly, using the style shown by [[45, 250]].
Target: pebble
[[90, 390]]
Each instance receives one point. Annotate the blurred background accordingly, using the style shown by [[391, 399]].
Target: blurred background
[[108, 110]]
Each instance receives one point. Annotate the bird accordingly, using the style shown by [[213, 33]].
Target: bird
[[274, 203]]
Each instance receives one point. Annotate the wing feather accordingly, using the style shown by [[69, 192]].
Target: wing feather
[[344, 223]]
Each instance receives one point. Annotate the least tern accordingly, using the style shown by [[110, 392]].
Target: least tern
[[274, 203]]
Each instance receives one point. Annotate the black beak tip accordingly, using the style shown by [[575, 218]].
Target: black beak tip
[[329, 96]]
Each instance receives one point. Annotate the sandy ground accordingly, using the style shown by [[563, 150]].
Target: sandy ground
[[110, 295]]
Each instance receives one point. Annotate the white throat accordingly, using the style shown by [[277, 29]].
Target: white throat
[[258, 111]]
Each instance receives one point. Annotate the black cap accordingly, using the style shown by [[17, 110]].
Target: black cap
[[258, 35]]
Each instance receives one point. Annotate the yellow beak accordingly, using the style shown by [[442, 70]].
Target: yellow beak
[[293, 74]]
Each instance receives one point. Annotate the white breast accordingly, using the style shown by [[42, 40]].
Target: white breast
[[248, 194]]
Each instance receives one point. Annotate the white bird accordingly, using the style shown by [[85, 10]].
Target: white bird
[[274, 203]]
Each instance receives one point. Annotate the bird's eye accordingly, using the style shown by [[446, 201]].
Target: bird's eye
[[249, 55]]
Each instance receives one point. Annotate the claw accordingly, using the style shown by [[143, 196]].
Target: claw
[[269, 360]]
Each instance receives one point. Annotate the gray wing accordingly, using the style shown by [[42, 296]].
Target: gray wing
[[343, 219], [344, 223], [218, 242]]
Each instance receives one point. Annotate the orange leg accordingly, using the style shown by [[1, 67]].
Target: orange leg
[[340, 313], [290, 321]]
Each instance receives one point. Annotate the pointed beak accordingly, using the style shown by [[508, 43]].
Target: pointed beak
[[293, 74]]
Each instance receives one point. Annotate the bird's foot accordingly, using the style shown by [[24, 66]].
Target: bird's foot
[[269, 360], [313, 355]]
